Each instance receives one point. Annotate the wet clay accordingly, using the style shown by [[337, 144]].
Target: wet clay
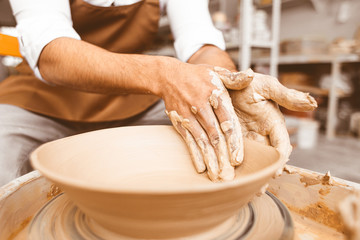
[[54, 191], [140, 181], [316, 201], [309, 229], [311, 180], [20, 232], [321, 213]]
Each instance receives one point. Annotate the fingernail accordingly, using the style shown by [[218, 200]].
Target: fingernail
[[194, 110], [213, 177]]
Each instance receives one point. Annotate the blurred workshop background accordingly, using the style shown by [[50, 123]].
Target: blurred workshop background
[[310, 45]]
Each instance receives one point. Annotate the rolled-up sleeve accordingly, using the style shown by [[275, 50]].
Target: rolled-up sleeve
[[192, 27], [38, 23]]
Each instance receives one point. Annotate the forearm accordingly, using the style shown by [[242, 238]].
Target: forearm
[[83, 66], [214, 56]]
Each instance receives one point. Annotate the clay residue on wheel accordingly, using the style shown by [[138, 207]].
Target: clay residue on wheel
[[326, 180], [21, 227], [324, 191], [53, 192], [321, 213], [309, 181]]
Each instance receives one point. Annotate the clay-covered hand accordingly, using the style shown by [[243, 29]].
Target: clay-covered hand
[[200, 109], [259, 115]]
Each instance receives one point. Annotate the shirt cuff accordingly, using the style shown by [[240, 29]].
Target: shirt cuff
[[32, 48], [191, 41]]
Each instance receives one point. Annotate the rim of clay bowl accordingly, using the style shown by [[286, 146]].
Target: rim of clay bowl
[[237, 182]]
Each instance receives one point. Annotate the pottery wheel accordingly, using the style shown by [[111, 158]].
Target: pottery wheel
[[263, 218]]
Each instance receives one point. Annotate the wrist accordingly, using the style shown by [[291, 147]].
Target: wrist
[[168, 69]]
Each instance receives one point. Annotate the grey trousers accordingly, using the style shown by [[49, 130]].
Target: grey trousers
[[22, 131]]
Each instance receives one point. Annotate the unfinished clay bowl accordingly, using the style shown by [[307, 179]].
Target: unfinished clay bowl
[[140, 181]]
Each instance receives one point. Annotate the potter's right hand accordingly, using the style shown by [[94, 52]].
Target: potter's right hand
[[200, 109]]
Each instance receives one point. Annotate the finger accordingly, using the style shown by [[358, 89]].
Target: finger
[[290, 98], [234, 80], [295, 100], [207, 151], [266, 141], [279, 138], [230, 125], [231, 128], [258, 137], [195, 152], [208, 120]]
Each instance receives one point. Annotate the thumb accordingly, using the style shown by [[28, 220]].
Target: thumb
[[234, 80], [290, 98]]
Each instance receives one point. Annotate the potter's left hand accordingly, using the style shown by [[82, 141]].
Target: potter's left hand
[[257, 109]]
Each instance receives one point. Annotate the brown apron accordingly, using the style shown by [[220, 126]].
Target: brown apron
[[121, 29]]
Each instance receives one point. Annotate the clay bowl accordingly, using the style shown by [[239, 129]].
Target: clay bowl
[[140, 181]]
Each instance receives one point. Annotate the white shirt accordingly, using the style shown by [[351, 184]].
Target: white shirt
[[41, 21]]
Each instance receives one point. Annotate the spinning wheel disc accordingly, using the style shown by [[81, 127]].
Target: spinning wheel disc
[[263, 218]]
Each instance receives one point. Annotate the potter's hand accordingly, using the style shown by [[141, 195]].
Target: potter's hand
[[257, 109], [200, 109]]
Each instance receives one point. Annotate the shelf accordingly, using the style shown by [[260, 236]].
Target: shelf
[[284, 4], [309, 59], [261, 44], [316, 90], [335, 60], [254, 44]]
